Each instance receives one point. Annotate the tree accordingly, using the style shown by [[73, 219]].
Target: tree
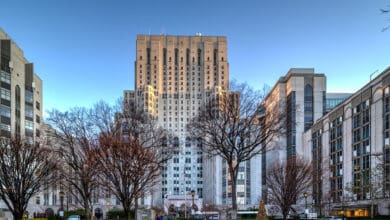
[[128, 170], [131, 157], [102, 148], [76, 139], [262, 212], [287, 182], [24, 170], [133, 136], [320, 172], [231, 126]]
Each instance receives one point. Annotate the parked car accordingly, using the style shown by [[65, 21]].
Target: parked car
[[74, 217], [334, 218]]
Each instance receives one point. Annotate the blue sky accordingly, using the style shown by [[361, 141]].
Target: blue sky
[[84, 50]]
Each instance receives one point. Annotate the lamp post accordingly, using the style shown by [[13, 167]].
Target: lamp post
[[305, 195], [342, 205], [193, 195], [61, 194], [312, 206]]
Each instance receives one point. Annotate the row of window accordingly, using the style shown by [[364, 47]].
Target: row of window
[[176, 56], [361, 150]]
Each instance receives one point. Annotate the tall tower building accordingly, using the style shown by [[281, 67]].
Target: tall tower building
[[20, 101], [301, 95], [174, 76], [21, 93]]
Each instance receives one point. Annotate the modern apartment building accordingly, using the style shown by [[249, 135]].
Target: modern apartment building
[[301, 95], [21, 94], [174, 77], [350, 148]]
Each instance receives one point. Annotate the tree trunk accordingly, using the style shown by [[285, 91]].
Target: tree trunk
[[233, 178], [135, 209], [127, 213], [372, 209], [18, 214], [88, 211], [285, 213]]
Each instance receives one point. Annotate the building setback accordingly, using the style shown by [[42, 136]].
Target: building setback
[[350, 147]]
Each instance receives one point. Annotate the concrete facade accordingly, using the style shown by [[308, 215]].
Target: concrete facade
[[350, 144], [300, 94]]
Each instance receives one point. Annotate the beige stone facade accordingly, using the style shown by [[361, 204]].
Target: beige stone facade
[[174, 76], [21, 92], [20, 100]]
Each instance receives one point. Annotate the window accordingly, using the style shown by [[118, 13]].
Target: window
[[176, 56], [29, 125], [147, 55], [5, 94], [199, 56], [38, 105], [336, 155], [5, 111], [5, 127], [29, 96], [37, 119], [215, 56], [165, 56], [5, 77], [188, 56]]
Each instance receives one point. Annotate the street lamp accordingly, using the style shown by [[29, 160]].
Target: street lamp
[[305, 195], [62, 194], [193, 195]]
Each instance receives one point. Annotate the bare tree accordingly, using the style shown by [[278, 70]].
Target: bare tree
[[24, 170], [131, 152], [102, 148], [320, 174], [77, 140], [128, 170], [287, 182], [231, 126]]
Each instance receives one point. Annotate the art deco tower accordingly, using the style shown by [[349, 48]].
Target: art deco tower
[[174, 76]]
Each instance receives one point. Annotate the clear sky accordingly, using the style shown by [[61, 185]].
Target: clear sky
[[84, 50]]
